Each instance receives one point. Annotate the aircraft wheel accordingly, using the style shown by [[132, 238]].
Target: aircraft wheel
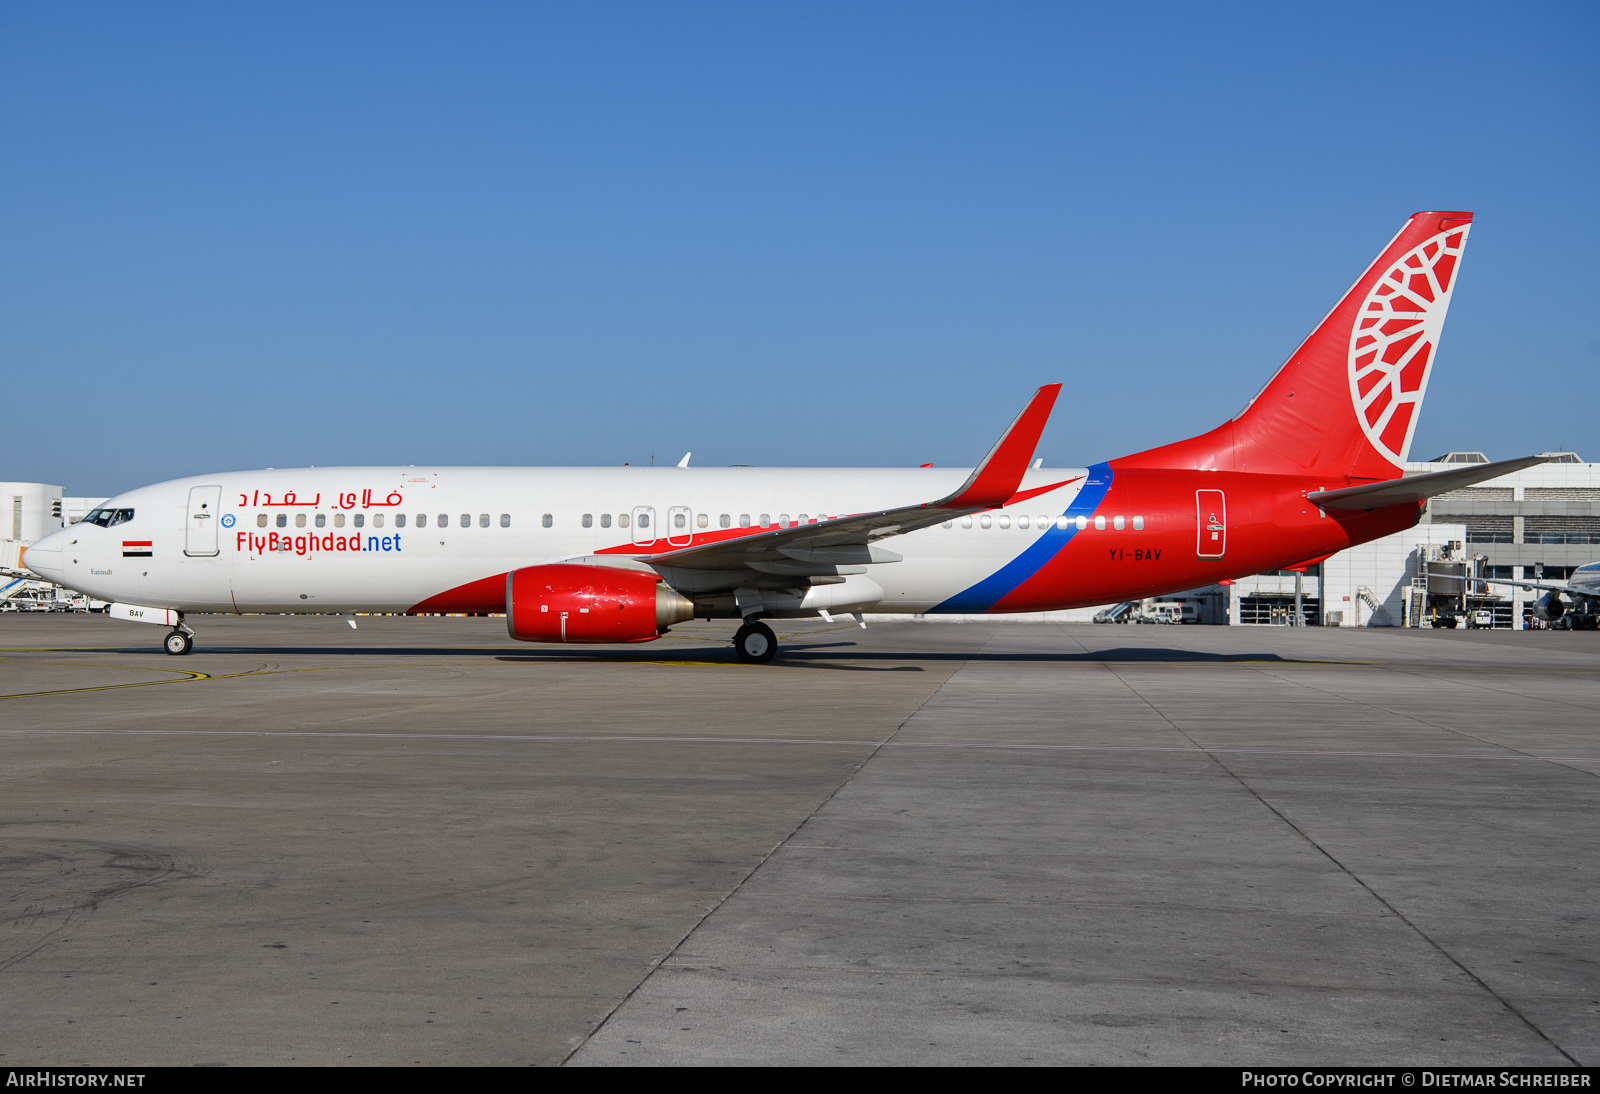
[[178, 643], [755, 644]]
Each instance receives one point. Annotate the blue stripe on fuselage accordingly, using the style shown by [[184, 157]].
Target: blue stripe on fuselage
[[986, 593]]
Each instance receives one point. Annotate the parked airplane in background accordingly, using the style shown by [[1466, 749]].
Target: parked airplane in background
[[1311, 466], [1583, 588]]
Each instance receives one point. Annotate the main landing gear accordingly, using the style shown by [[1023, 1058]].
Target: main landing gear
[[755, 643]]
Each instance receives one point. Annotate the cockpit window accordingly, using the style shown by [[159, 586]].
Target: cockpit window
[[107, 518]]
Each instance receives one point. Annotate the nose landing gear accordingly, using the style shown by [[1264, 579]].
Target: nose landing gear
[[755, 644], [179, 640]]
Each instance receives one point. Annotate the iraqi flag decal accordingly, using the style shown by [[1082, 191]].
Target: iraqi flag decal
[[137, 548]]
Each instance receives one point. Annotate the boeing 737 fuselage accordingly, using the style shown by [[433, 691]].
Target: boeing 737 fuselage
[[1310, 467]]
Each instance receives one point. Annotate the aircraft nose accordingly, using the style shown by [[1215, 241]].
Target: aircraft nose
[[44, 556]]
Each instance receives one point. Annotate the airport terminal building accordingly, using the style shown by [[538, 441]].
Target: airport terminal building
[[30, 511], [1544, 519]]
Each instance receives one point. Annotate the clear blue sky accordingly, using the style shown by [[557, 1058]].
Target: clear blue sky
[[786, 234]]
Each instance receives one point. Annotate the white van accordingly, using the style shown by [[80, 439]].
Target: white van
[[1170, 612]]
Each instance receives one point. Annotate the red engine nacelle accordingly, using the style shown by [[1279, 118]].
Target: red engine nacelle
[[565, 602]]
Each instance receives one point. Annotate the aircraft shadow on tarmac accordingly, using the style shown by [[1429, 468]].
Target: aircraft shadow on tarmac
[[795, 655]]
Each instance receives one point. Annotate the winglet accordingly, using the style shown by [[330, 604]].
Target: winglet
[[1000, 473]]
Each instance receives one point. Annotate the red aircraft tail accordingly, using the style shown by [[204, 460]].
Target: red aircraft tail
[[1345, 405]]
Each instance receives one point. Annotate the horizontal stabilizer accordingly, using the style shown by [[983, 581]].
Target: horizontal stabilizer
[[1415, 488]]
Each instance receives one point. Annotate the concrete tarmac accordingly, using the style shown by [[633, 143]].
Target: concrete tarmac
[[419, 842]]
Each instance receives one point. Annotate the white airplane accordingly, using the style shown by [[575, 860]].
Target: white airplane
[[1311, 466], [1583, 588]]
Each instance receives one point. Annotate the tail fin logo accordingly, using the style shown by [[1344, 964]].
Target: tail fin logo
[[1394, 338]]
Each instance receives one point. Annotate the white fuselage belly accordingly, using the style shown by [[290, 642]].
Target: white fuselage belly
[[387, 566]]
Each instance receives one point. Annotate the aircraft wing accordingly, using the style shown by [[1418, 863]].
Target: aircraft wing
[[847, 540], [1415, 488], [1573, 591]]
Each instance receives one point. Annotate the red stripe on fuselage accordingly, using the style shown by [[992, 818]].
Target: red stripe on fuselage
[[1024, 495], [484, 595]]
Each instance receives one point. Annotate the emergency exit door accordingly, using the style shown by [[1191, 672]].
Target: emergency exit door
[[644, 519], [1211, 514], [200, 537], [680, 531]]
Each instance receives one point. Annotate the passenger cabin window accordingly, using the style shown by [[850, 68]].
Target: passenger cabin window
[[1118, 523], [1005, 522], [466, 520], [422, 520], [744, 520], [765, 520], [1099, 524], [986, 522], [338, 520], [377, 520], [322, 520], [299, 520], [359, 519], [1022, 522], [724, 521], [444, 520], [701, 520], [261, 520], [399, 520], [547, 520], [644, 520], [966, 522], [1082, 522], [948, 524], [1138, 524], [622, 520], [505, 520], [483, 520], [588, 520], [283, 520], [783, 520], [605, 520], [679, 520]]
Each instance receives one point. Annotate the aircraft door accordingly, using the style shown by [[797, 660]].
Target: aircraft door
[[644, 526], [680, 529], [1211, 513], [200, 534]]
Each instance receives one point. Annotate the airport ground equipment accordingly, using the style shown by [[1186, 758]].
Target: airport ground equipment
[[1117, 613], [1450, 590], [1376, 610]]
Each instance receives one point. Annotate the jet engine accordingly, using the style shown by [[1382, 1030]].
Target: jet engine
[[565, 602], [1550, 607]]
